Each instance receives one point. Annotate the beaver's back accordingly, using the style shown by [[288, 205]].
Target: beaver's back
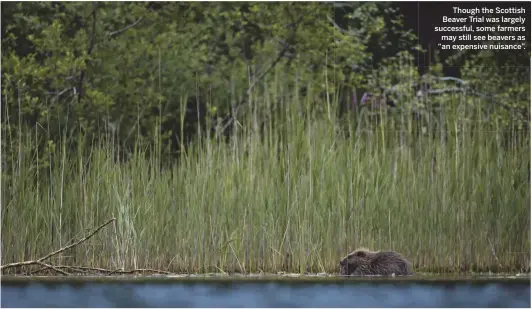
[[368, 263], [388, 263]]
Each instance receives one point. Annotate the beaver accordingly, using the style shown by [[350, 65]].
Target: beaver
[[363, 262]]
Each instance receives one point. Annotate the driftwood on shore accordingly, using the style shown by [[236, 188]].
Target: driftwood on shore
[[68, 270]]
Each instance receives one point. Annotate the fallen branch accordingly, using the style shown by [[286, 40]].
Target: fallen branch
[[79, 269], [44, 258], [96, 270], [142, 270], [114, 271], [47, 266]]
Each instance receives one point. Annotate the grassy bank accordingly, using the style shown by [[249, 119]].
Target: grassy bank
[[296, 198]]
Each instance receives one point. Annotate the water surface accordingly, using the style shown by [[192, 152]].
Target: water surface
[[264, 292]]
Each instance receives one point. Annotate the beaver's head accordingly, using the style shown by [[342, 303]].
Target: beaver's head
[[358, 258]]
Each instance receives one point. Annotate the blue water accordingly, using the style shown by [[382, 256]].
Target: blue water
[[260, 293]]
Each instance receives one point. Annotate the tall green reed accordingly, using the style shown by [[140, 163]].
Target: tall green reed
[[295, 197]]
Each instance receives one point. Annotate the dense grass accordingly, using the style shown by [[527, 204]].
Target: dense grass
[[295, 198]]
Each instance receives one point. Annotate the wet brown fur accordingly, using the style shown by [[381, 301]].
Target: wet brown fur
[[363, 262]]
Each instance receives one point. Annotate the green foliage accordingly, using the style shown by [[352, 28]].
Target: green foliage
[[125, 67]]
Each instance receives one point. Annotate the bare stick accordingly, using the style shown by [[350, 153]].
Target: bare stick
[[52, 267], [107, 272], [115, 271], [144, 270], [39, 261], [71, 268], [79, 241]]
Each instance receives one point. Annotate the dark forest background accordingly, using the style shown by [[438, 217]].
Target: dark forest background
[[132, 70]]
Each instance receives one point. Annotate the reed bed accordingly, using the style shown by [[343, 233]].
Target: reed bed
[[295, 197]]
